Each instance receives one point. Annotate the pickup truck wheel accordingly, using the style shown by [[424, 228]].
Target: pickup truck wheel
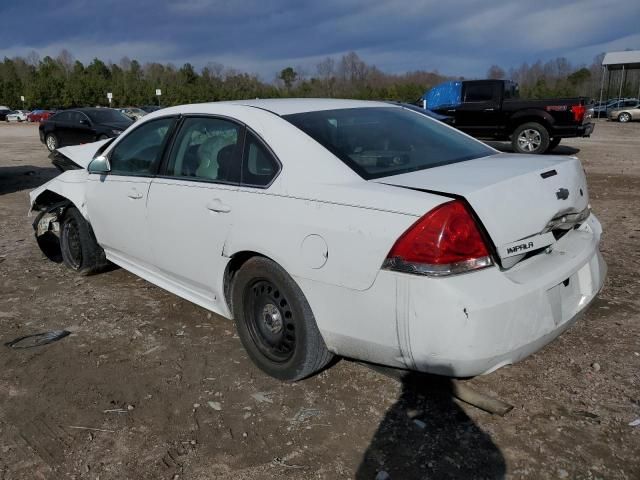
[[530, 138], [275, 322], [624, 117], [78, 245], [555, 141]]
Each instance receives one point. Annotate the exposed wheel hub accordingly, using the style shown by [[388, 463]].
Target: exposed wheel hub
[[272, 318]]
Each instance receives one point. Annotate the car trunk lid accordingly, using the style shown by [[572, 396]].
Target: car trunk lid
[[516, 197]]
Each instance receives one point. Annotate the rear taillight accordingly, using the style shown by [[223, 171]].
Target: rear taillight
[[578, 112], [445, 241]]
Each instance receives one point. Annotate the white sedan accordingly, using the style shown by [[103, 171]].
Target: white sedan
[[17, 116], [336, 227]]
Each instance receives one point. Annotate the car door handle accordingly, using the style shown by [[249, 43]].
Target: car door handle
[[489, 109], [216, 205], [135, 195]]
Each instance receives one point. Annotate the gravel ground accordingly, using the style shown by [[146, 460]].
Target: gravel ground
[[150, 386]]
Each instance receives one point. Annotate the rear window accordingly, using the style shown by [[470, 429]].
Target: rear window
[[107, 115], [382, 141]]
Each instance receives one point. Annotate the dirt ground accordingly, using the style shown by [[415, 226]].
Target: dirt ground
[[149, 386]]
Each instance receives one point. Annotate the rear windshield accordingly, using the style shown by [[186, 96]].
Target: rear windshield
[[107, 116], [382, 141]]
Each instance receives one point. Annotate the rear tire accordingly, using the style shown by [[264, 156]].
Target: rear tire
[[555, 141], [275, 322], [530, 138], [51, 141], [78, 246]]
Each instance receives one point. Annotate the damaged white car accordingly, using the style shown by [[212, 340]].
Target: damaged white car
[[336, 227]]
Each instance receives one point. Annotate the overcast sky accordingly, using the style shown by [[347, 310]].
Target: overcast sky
[[458, 37]]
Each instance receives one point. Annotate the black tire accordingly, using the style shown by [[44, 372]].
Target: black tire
[[49, 245], [102, 137], [624, 117], [555, 141], [530, 138], [78, 245], [51, 141], [275, 322]]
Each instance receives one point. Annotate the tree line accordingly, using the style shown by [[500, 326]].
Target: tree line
[[64, 82]]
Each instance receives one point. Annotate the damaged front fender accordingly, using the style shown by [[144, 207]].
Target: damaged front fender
[[69, 186]]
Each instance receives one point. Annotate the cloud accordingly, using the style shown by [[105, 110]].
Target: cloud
[[265, 36]]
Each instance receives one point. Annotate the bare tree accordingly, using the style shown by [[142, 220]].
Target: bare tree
[[496, 73]]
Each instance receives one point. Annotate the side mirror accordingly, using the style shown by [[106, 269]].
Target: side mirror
[[99, 165], [85, 122]]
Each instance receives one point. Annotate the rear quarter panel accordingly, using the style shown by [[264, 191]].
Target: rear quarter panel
[[316, 194]]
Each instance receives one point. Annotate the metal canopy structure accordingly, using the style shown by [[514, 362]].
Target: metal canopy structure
[[622, 62], [619, 60]]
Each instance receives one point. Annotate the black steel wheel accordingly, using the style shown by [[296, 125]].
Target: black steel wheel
[[70, 239], [275, 322], [78, 246], [270, 321]]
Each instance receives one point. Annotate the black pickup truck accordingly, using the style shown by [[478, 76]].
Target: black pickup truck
[[491, 110]]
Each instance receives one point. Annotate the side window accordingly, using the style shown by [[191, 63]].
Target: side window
[[139, 153], [63, 117], [478, 93], [75, 117], [259, 167], [207, 149]]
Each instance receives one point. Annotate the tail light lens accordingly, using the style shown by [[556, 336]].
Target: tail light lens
[[445, 241], [578, 112]]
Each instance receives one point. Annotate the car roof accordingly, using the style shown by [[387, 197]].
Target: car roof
[[288, 106], [90, 109]]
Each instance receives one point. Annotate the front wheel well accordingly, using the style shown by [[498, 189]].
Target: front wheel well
[[49, 198]]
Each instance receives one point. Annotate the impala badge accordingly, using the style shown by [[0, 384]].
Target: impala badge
[[562, 194]]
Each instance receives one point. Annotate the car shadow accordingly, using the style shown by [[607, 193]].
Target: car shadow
[[24, 177], [426, 434], [506, 147]]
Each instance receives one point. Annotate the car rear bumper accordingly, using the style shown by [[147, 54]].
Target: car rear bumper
[[471, 324], [476, 323]]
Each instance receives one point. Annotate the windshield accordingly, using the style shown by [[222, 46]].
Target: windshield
[[381, 141], [107, 116]]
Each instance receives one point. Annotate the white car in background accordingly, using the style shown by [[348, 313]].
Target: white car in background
[[133, 113], [336, 227], [17, 116]]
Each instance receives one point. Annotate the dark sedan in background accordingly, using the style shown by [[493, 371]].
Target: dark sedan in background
[[82, 125]]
